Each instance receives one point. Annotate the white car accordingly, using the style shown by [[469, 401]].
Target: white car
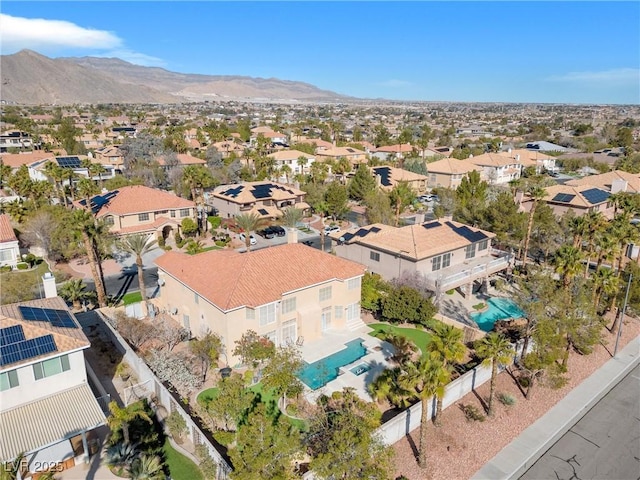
[[330, 229], [252, 239]]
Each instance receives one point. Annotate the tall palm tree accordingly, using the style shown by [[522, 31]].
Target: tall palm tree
[[291, 216], [74, 291], [446, 344], [427, 378], [198, 178], [249, 222], [57, 174], [286, 171], [302, 163], [537, 193], [568, 263], [605, 281], [85, 226], [120, 417], [595, 224], [579, 228], [392, 385], [401, 196], [494, 348], [139, 245]]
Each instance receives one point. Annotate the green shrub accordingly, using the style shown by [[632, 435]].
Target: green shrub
[[479, 306], [23, 266], [472, 413], [450, 292], [5, 268], [176, 425], [224, 438], [207, 465], [507, 399], [178, 238], [220, 243], [167, 247], [162, 242], [215, 222]]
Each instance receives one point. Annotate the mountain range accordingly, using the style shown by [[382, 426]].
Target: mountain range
[[28, 77]]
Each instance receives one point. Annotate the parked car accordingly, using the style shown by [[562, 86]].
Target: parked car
[[330, 229], [426, 198], [268, 232], [279, 231], [252, 239]]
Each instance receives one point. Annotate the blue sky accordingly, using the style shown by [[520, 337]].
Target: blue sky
[[558, 52]]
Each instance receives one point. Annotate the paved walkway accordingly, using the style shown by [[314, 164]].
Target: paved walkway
[[517, 457]]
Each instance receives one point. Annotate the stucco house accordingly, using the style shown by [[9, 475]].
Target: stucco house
[[289, 293], [580, 199], [612, 182], [449, 172], [290, 158], [47, 409], [139, 209], [111, 155], [266, 199], [447, 253], [388, 177], [9, 246], [532, 158], [498, 169], [353, 155]]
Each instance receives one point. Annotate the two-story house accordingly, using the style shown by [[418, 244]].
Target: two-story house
[[532, 158], [449, 172], [293, 159], [289, 293], [47, 409], [110, 155], [353, 155], [396, 152], [74, 165], [266, 199], [388, 177], [580, 199], [9, 246], [498, 169], [139, 209], [447, 253]]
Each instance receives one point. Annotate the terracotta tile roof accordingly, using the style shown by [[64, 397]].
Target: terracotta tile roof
[[577, 199], [245, 192], [402, 148], [340, 152], [399, 174], [289, 155], [16, 160], [526, 155], [140, 199], [6, 230], [491, 160], [416, 242], [183, 159], [605, 180], [451, 166], [257, 277], [66, 339]]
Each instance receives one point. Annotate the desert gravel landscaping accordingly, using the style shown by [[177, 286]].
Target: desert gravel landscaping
[[459, 448]]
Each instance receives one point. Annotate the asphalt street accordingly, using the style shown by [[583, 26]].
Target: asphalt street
[[604, 444], [118, 285]]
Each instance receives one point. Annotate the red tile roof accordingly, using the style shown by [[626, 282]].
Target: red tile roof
[[6, 230], [139, 199], [16, 160], [230, 279]]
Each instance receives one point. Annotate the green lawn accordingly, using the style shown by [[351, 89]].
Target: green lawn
[[419, 337], [179, 465], [132, 297]]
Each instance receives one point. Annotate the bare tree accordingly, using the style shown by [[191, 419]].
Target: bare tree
[[171, 334]]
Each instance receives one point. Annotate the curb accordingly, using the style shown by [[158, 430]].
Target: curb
[[518, 456]]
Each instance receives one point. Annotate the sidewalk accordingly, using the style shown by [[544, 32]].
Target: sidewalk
[[517, 457]]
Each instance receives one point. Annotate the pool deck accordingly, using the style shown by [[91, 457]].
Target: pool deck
[[332, 342]]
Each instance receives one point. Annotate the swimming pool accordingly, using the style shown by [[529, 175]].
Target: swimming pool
[[360, 368], [499, 309], [318, 374]]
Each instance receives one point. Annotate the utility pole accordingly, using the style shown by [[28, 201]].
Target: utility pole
[[621, 321]]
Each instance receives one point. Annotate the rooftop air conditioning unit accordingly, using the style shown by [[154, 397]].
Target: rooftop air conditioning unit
[[173, 311]]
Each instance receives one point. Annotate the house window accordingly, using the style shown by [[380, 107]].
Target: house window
[[375, 256], [470, 251], [173, 214], [326, 319], [108, 220], [184, 212], [436, 263], [289, 332], [446, 260], [483, 245], [353, 311], [338, 311], [288, 305], [185, 322], [353, 283], [325, 294], [196, 298], [8, 380], [161, 212], [267, 314], [53, 366], [6, 255], [251, 314], [143, 217]]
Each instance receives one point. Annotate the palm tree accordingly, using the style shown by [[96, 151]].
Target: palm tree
[[427, 378], [74, 291], [147, 467], [536, 193], [195, 246], [595, 223], [86, 189], [120, 418], [291, 216], [85, 226], [568, 263], [56, 173], [198, 177], [579, 228], [401, 195], [494, 348], [446, 344], [392, 385], [302, 163], [10, 470], [286, 171], [248, 222], [139, 245], [604, 281]]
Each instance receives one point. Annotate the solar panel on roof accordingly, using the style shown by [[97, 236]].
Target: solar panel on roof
[[384, 173], [26, 349], [57, 318], [595, 195], [13, 334], [69, 162], [563, 198], [263, 212]]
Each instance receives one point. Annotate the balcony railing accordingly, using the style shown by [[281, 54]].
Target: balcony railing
[[466, 275]]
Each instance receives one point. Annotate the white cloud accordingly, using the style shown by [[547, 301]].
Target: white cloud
[[133, 57], [395, 83], [615, 76], [40, 34]]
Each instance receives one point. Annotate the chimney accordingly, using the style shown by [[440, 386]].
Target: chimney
[[292, 235], [49, 283], [419, 218], [518, 158], [378, 180], [509, 150]]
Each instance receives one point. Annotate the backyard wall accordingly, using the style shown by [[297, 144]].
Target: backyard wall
[[402, 424], [149, 385]]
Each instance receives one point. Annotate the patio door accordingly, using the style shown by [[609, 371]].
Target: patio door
[[326, 319]]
